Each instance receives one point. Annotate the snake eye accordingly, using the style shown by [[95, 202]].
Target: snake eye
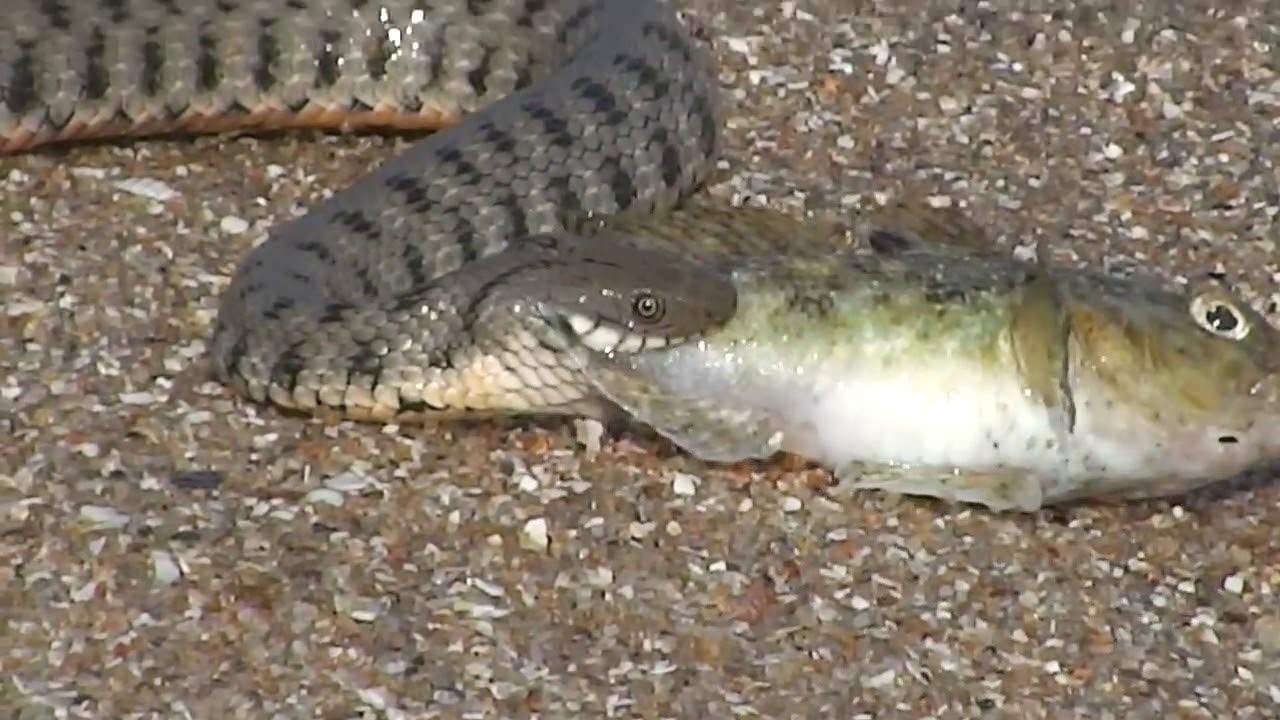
[[1220, 317], [648, 307]]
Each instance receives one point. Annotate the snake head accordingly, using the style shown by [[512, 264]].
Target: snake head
[[615, 296]]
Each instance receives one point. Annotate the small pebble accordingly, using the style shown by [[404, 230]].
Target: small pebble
[[197, 479], [685, 484], [94, 173], [881, 680], [100, 517], [149, 188], [348, 482], [1234, 584], [1267, 629], [641, 530], [588, 433], [137, 398], [164, 569], [325, 496], [232, 225], [534, 536]]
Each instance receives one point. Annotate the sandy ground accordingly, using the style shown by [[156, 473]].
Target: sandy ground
[[170, 550]]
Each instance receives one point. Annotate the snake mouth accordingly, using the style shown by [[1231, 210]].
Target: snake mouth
[[600, 335]]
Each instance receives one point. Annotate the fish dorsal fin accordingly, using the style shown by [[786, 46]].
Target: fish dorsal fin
[[911, 226]]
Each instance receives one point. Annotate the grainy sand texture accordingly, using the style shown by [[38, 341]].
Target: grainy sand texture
[[170, 550]]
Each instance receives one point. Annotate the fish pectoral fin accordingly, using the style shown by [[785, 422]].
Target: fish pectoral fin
[[998, 490], [712, 430], [1039, 332]]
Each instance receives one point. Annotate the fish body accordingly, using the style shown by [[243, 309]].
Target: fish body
[[937, 369]]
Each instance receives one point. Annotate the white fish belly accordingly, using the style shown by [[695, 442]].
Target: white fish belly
[[963, 427], [953, 415]]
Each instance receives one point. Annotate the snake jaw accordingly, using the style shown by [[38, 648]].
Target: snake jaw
[[602, 336]]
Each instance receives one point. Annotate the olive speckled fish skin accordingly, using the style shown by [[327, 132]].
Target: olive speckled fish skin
[[932, 365], [566, 111]]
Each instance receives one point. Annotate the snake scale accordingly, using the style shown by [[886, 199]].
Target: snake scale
[[425, 287]]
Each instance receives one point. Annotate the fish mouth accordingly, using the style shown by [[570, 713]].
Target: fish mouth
[[1267, 391]]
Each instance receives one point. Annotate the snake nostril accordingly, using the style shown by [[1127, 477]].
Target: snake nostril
[[1228, 440]]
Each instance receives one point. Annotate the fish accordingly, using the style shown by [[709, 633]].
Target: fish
[[923, 360]]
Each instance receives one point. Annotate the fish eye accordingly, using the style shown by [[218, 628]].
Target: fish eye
[[1220, 317], [648, 307]]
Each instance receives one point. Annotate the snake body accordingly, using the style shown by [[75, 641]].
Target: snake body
[[378, 302]]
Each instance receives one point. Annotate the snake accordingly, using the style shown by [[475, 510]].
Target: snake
[[442, 281]]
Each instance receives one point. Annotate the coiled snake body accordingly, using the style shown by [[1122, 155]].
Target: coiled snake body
[[402, 294]]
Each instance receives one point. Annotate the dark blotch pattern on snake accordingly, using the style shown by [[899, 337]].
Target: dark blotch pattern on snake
[[558, 113]]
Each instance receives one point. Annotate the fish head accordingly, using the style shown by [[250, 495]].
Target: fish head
[[1185, 386]]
